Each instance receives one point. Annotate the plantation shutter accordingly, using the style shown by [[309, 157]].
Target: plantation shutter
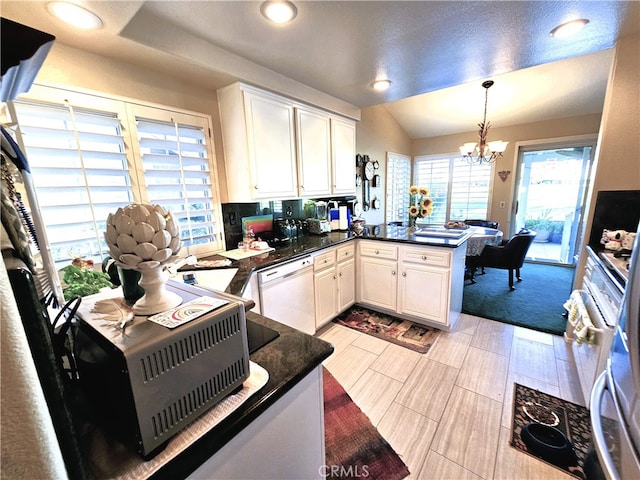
[[469, 190], [80, 171], [398, 182], [177, 172], [433, 173], [459, 190]]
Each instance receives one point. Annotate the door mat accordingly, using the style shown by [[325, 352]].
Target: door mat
[[354, 447], [534, 406], [392, 329]]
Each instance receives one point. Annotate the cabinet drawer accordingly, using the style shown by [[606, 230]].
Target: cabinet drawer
[[324, 260], [346, 252], [379, 250], [427, 256]]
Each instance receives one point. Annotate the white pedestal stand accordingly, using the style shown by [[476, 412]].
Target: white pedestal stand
[[156, 297]]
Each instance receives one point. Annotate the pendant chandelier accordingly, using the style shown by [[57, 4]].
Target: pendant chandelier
[[483, 152]]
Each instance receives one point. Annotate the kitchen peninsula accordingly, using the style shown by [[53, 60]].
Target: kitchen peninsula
[[419, 277], [238, 446]]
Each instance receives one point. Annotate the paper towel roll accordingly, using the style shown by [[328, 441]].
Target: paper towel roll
[[344, 220]]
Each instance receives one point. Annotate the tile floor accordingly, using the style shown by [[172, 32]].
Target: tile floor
[[447, 413]]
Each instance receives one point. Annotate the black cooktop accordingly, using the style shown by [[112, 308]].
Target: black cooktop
[[259, 335]]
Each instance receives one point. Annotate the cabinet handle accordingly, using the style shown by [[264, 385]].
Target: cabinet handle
[[256, 187], [340, 274], [377, 252], [393, 272], [334, 277], [325, 261], [404, 274], [424, 257]]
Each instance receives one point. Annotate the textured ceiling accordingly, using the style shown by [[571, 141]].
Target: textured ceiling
[[436, 53]]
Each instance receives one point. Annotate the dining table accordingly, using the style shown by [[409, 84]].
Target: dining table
[[480, 238]]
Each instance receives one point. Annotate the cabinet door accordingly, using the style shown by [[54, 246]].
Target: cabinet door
[[271, 144], [378, 282], [326, 295], [424, 292], [343, 142], [314, 152], [346, 284]]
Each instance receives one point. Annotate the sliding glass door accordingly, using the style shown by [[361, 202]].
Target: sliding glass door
[[550, 198]]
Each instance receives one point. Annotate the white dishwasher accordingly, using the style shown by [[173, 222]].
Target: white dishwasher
[[286, 294]]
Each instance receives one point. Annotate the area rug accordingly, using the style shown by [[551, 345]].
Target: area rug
[[536, 303], [354, 447], [392, 329], [573, 420]]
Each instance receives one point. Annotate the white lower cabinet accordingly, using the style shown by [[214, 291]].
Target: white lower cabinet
[[377, 275], [423, 291], [423, 284], [274, 445], [334, 282], [346, 284]]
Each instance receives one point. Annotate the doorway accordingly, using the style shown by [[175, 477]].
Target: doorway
[[550, 198]]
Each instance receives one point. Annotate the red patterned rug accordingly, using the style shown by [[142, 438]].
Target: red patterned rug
[[392, 329], [354, 447]]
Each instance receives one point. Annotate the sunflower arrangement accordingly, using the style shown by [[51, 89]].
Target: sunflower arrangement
[[420, 204]]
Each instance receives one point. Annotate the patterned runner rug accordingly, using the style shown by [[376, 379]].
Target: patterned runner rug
[[354, 447], [533, 406], [392, 329]]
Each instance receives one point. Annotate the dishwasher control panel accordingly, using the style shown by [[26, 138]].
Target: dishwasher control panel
[[285, 269]]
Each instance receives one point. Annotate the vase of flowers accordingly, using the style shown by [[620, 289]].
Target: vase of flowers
[[420, 204]]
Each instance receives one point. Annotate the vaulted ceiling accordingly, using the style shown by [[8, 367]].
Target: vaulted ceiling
[[435, 53]]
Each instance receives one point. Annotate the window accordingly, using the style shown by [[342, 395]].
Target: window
[[85, 165], [177, 175], [459, 190], [398, 182]]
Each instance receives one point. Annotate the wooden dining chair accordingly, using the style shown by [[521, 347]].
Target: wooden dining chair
[[509, 256]]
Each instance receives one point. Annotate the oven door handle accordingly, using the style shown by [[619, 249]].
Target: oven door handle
[[599, 441]]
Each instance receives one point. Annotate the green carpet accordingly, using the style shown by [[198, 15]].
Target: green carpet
[[536, 302]]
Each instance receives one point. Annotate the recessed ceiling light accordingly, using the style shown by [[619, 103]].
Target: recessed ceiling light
[[568, 28], [75, 15], [381, 85], [279, 11]]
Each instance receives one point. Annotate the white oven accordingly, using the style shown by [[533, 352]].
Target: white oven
[[593, 313], [606, 292]]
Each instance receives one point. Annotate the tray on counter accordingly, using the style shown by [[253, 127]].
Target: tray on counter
[[239, 254]]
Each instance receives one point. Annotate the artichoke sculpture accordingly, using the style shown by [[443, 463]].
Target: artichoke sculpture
[[145, 237]]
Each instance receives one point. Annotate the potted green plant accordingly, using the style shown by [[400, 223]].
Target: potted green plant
[[542, 225]]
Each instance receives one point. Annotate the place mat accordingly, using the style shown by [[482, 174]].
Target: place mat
[[238, 254], [570, 418], [405, 333]]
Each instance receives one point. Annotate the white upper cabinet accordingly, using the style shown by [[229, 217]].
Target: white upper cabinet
[[277, 148], [343, 153], [314, 151], [259, 144]]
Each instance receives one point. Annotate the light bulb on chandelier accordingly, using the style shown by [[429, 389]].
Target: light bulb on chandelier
[[483, 152]]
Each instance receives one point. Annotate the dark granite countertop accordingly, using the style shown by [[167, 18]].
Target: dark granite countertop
[[288, 359], [309, 244]]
